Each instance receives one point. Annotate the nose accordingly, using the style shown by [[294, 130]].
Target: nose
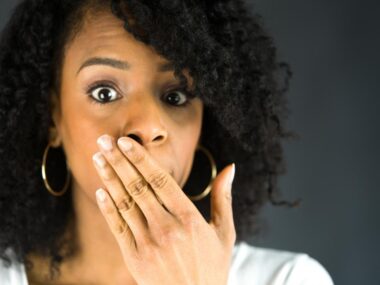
[[145, 123]]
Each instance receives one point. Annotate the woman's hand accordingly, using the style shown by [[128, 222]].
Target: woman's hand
[[163, 237]]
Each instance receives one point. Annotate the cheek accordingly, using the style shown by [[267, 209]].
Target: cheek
[[80, 149], [79, 135]]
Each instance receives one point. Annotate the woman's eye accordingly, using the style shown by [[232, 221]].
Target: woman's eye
[[176, 98], [103, 94]]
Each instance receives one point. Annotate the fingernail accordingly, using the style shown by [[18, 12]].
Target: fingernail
[[124, 144], [99, 159], [101, 195], [232, 174], [105, 142]]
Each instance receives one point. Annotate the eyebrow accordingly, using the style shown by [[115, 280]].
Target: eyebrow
[[115, 63]]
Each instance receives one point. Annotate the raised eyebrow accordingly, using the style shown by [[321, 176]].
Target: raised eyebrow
[[105, 61], [115, 63]]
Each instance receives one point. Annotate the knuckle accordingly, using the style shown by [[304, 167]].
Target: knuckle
[[168, 235], [108, 175], [146, 244], [109, 211], [115, 158], [138, 157], [189, 221], [138, 187], [228, 196], [125, 204], [158, 180], [120, 229]]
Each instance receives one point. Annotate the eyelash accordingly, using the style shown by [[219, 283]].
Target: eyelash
[[107, 84]]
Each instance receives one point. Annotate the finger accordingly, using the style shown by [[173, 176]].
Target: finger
[[124, 203], [162, 183], [221, 205], [116, 223], [134, 183]]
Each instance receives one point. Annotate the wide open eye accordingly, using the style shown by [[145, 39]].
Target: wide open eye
[[177, 98], [103, 94]]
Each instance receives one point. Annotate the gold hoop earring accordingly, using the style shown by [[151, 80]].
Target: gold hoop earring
[[213, 175], [44, 177]]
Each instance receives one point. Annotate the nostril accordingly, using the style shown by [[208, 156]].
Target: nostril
[[136, 138], [158, 138]]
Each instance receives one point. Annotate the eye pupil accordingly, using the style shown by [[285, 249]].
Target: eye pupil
[[105, 94], [173, 99]]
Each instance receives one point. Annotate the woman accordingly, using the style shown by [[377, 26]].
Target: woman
[[107, 109]]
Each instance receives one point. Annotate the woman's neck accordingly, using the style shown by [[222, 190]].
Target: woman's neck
[[98, 259]]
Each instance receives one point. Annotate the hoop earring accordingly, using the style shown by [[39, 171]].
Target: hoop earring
[[213, 175], [44, 177]]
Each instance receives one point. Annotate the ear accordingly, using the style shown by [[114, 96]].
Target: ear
[[54, 134]]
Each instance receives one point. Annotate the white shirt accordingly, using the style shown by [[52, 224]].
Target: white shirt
[[250, 265]]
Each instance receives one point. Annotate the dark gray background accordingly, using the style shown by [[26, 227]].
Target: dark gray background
[[333, 49]]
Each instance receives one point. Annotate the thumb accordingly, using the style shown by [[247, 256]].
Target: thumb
[[221, 203]]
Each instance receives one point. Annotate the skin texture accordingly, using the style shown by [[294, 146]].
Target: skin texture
[[138, 243]]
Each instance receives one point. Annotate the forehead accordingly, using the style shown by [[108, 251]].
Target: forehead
[[102, 33]]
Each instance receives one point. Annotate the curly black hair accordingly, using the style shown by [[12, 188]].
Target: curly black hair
[[236, 73]]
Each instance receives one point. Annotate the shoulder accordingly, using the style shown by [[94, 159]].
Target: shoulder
[[255, 265], [14, 273]]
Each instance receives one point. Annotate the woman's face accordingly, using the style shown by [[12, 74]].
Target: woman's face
[[105, 63]]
